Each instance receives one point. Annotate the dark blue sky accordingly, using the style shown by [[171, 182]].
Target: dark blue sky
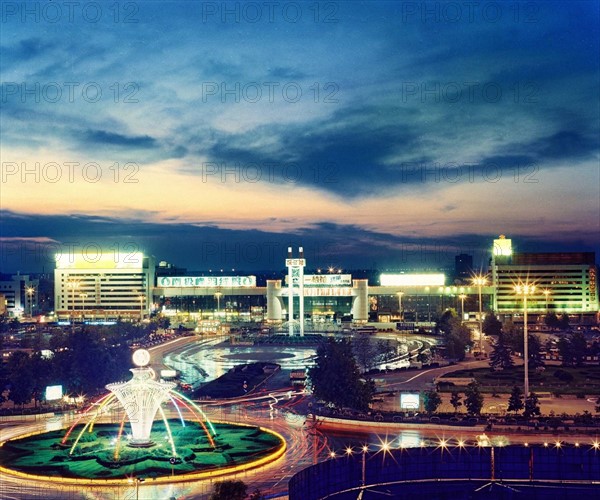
[[214, 134]]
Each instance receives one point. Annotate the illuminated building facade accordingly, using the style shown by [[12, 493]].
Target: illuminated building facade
[[103, 286], [20, 295], [565, 282]]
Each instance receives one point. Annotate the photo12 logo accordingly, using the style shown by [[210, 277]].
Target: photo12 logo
[[270, 12], [253, 92], [69, 12], [70, 92]]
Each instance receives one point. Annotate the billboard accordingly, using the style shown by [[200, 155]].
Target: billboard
[[206, 281], [54, 392], [410, 279], [409, 401]]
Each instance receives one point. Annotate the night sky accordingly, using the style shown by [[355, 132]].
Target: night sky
[[375, 134]]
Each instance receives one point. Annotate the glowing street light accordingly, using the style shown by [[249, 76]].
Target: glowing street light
[[30, 290], [524, 290], [546, 293], [72, 284], [218, 296], [480, 281], [400, 294], [462, 298], [141, 299], [83, 296]]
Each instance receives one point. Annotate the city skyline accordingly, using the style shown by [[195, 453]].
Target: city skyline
[[376, 136]]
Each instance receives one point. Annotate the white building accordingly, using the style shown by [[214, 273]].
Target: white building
[[103, 286], [565, 283], [21, 295]]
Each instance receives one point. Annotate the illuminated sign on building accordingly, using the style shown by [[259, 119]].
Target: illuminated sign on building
[[430, 279], [327, 280], [328, 292], [206, 281], [97, 258], [502, 247]]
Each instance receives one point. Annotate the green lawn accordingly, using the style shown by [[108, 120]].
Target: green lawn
[[94, 456], [554, 379]]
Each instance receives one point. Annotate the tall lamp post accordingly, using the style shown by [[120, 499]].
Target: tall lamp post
[[141, 299], [462, 298], [546, 293], [218, 296], [525, 290], [72, 285], [480, 281], [400, 294], [30, 291], [83, 296]]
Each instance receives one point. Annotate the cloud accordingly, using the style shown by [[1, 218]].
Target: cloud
[[114, 139]]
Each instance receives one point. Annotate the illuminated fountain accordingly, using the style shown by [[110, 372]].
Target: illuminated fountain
[[98, 446], [141, 398]]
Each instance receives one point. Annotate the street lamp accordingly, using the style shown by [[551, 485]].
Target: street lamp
[[83, 296], [480, 281], [72, 285], [218, 296], [400, 294], [546, 293], [462, 298], [141, 299], [525, 290], [30, 291]]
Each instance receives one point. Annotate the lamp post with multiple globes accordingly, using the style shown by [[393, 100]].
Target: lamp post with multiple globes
[[30, 291], [480, 281], [525, 289]]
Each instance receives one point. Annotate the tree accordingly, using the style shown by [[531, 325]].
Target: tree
[[534, 348], [431, 401], [578, 348], [515, 401], [492, 325], [364, 352], [473, 399], [456, 335], [532, 405], [565, 351], [20, 377], [335, 377], [551, 320], [513, 337], [229, 490], [564, 322], [455, 401], [500, 357]]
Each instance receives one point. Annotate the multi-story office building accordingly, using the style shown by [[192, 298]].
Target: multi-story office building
[[21, 295], [565, 283], [106, 285]]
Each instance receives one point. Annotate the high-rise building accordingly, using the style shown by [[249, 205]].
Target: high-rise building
[[106, 285], [463, 266], [565, 283]]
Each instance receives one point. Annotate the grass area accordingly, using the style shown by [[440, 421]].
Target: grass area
[[231, 384], [555, 379], [94, 456], [295, 340]]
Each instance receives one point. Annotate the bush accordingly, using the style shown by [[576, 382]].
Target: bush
[[563, 375]]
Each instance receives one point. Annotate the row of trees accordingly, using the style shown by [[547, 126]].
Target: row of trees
[[473, 401], [509, 340], [83, 363]]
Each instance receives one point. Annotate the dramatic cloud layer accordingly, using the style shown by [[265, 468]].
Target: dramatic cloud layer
[[361, 130]]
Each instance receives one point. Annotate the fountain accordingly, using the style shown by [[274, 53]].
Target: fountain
[[120, 435], [141, 398]]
